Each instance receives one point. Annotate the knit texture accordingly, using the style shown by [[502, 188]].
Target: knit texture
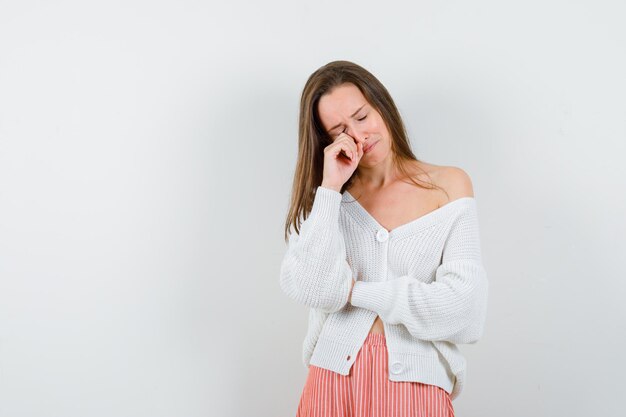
[[425, 279]]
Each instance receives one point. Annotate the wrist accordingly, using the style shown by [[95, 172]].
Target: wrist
[[331, 186]]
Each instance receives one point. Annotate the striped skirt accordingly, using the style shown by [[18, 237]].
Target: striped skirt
[[367, 391]]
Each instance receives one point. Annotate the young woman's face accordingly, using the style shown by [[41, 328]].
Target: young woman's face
[[345, 109]]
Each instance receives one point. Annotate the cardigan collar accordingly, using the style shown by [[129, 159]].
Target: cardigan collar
[[367, 221]]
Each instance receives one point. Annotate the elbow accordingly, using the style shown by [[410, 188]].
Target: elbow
[[325, 296], [311, 299], [473, 334], [471, 327], [469, 333], [317, 274], [477, 314]]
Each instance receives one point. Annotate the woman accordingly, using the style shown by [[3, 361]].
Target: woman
[[385, 253]]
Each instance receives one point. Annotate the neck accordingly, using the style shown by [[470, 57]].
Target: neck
[[377, 177]]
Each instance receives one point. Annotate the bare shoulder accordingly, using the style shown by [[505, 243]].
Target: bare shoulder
[[453, 180], [456, 182]]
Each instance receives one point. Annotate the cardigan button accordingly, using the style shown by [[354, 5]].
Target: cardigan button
[[348, 358], [382, 235], [396, 368]]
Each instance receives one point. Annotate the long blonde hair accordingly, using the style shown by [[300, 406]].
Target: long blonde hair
[[313, 138]]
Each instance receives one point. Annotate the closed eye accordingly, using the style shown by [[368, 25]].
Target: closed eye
[[361, 119]]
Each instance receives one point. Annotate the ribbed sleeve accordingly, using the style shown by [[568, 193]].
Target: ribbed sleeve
[[452, 307], [314, 270]]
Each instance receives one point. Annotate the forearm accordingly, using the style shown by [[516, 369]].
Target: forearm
[[315, 271], [452, 308]]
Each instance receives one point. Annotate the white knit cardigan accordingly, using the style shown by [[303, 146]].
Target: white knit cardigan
[[425, 279]]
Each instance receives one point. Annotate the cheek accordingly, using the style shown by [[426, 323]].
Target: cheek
[[379, 127], [378, 121], [375, 125]]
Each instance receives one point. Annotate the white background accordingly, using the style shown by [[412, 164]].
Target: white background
[[146, 158]]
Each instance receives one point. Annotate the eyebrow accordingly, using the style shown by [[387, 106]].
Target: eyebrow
[[353, 114]]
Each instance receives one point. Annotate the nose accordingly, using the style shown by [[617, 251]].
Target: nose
[[358, 135]]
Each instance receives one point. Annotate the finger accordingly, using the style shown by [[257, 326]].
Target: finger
[[342, 134], [341, 147], [352, 143], [345, 136], [346, 143]]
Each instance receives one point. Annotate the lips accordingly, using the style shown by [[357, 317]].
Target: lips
[[367, 148]]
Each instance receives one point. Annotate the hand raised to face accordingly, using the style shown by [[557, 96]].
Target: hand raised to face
[[341, 159]]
